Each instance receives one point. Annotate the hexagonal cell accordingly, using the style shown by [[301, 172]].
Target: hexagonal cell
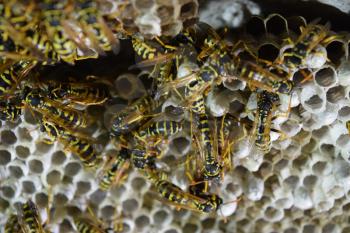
[[190, 228], [144, 4], [7, 191], [308, 228], [301, 76], [130, 205], [336, 50], [138, 183], [180, 145], [276, 24], [60, 199], [310, 181], [53, 177], [272, 214], [5, 157], [83, 187], [22, 152], [327, 149], [72, 168], [269, 52], [8, 137], [344, 113], [142, 221], [16, 171], [160, 216], [43, 147], [36, 166], [41, 199], [343, 140], [97, 197], [3, 205], [320, 167], [58, 157], [108, 212], [314, 102], [28, 187], [326, 77], [335, 94], [295, 23], [330, 228], [255, 26], [292, 182], [129, 86]]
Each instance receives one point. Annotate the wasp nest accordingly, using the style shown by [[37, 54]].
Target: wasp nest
[[301, 185]]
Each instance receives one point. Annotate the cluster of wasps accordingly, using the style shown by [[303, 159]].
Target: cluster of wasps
[[186, 67]]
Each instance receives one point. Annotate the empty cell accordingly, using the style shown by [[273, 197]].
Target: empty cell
[[83, 187], [8, 137], [321, 132], [97, 197], [58, 157], [310, 181], [327, 149], [5, 157], [190, 228], [336, 52], [188, 10], [36, 166], [295, 23], [3, 205], [138, 183], [22, 152], [208, 223], [129, 86], [255, 26], [16, 171], [320, 168], [7, 191], [330, 228], [292, 182], [301, 76], [73, 211], [344, 112], [72, 168], [28, 187], [60, 199], [142, 221], [268, 52], [335, 94], [272, 214], [41, 199], [130, 205], [276, 24], [108, 211], [326, 77], [180, 145], [343, 140], [314, 102], [24, 134], [165, 13], [53, 177], [43, 147], [126, 227], [160, 216], [66, 226]]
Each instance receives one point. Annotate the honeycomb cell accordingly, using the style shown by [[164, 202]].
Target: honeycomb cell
[[268, 52], [276, 24], [138, 183], [16, 171], [8, 137], [336, 51], [190, 228], [83, 187], [326, 77], [256, 26], [22, 152], [7, 191], [36, 166], [97, 197], [58, 158], [53, 177], [108, 211], [5, 157], [28, 187], [72, 168], [335, 94], [130, 205], [60, 199], [142, 221]]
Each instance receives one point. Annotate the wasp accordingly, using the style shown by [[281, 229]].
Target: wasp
[[159, 128], [32, 42], [10, 110], [263, 119], [80, 93], [311, 36], [54, 110], [63, 38], [100, 34], [29, 218], [11, 76], [74, 142], [181, 199], [136, 113], [115, 168], [12, 225]]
